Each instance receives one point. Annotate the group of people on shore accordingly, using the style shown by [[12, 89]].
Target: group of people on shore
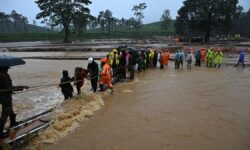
[[119, 62]]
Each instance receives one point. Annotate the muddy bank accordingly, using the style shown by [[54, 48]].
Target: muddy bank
[[171, 109], [84, 46]]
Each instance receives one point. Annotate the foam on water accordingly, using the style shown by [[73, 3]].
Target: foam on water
[[68, 115]]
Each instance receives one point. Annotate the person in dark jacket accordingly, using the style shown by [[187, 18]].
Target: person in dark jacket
[[80, 75], [198, 58], [123, 64], [131, 65], [155, 59], [65, 85], [94, 72], [6, 90]]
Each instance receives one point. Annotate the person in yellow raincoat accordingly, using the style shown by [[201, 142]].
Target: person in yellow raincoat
[[218, 58], [105, 76]]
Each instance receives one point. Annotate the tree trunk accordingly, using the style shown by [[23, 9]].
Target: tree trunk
[[66, 34], [207, 36]]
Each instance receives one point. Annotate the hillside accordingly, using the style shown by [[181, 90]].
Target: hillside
[[156, 27], [11, 27], [37, 29]]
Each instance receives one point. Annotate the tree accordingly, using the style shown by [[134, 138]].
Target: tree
[[4, 21], [101, 20], [166, 20], [34, 22], [93, 23], [138, 13], [63, 11], [204, 16], [108, 20], [241, 25]]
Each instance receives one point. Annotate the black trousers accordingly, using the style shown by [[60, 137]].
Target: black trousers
[[68, 95], [132, 72], [123, 72], [240, 63], [7, 111], [94, 84]]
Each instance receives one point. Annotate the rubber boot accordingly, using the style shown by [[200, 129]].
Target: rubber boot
[[13, 120]]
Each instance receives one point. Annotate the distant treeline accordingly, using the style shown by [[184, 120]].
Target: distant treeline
[[17, 23]]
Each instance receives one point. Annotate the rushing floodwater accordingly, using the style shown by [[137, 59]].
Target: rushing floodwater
[[162, 109], [171, 109]]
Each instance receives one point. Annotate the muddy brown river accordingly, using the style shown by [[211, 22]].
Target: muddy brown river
[[204, 108], [201, 109]]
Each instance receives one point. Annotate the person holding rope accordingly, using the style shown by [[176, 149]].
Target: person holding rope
[[93, 73], [6, 91], [65, 85], [105, 76]]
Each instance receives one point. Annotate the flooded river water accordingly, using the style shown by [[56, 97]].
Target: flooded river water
[[161, 109], [171, 109]]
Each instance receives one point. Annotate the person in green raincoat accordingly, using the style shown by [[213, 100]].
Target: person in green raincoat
[[210, 57], [218, 58]]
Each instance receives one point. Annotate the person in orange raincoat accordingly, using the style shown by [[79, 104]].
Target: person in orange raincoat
[[105, 75], [162, 59], [107, 59], [167, 55], [203, 55]]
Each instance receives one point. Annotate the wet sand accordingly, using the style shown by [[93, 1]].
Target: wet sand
[[170, 109]]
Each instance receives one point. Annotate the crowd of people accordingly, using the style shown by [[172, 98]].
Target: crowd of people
[[118, 62]]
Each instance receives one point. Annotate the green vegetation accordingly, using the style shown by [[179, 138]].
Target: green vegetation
[[203, 17], [64, 13], [147, 31]]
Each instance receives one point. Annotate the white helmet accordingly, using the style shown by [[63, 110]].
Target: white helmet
[[90, 60]]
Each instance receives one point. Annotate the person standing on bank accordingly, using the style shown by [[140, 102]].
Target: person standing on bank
[[6, 91], [93, 72], [189, 60]]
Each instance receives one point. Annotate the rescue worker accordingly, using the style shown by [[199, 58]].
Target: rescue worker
[[65, 85], [108, 59], [115, 62], [6, 90], [203, 55], [93, 73], [218, 58], [241, 59], [105, 76]]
